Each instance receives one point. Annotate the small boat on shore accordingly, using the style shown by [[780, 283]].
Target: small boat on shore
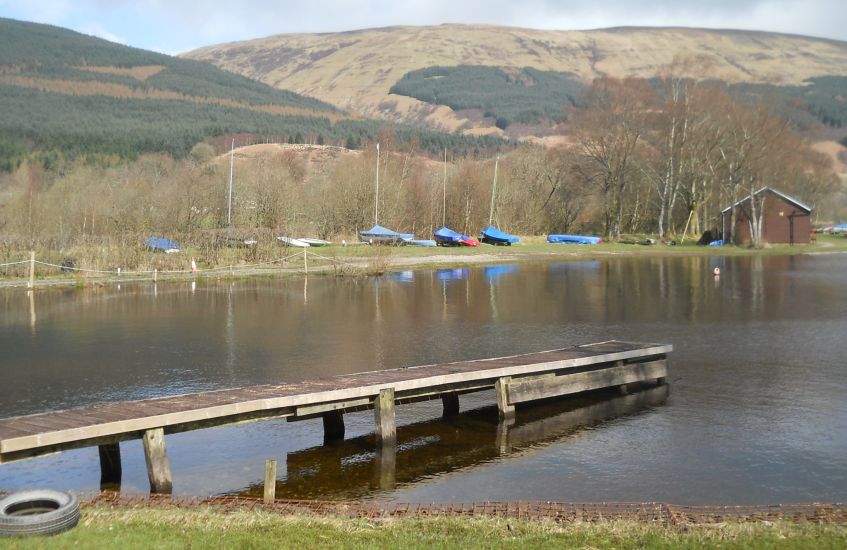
[[382, 235], [421, 242], [447, 237], [573, 239], [315, 242], [161, 244], [492, 235], [290, 241]]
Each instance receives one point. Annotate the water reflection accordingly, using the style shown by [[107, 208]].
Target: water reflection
[[456, 274], [355, 468]]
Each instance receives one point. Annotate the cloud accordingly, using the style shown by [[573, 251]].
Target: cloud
[[96, 30]]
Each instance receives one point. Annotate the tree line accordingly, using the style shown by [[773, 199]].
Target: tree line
[[636, 162]]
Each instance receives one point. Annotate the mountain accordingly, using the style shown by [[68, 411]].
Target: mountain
[[358, 70], [68, 94]]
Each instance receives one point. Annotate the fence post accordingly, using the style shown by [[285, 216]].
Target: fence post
[[270, 481], [31, 283]]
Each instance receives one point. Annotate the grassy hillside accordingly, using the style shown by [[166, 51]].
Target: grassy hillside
[[65, 94], [357, 70]]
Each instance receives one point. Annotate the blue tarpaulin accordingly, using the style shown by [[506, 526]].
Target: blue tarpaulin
[[378, 233], [447, 235], [573, 239], [492, 235], [160, 244]]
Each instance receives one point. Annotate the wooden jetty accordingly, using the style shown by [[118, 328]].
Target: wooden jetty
[[516, 379]]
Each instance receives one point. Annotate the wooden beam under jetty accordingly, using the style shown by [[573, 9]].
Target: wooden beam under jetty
[[516, 379]]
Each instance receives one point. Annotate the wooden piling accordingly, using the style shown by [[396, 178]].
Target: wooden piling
[[305, 262], [155, 275], [386, 429], [156, 457], [506, 410], [270, 481], [333, 426], [450, 401], [110, 466]]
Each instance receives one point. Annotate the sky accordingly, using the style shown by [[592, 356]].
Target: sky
[[175, 26]]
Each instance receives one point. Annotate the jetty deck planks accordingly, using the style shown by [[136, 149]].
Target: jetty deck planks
[[517, 378]]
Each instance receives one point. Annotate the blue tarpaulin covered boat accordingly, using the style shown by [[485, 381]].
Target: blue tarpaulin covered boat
[[160, 244], [447, 237], [382, 235], [492, 235], [573, 239]]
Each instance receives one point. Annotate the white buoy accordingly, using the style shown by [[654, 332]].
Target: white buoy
[[717, 272]]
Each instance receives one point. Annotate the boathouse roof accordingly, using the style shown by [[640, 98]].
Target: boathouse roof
[[788, 198]]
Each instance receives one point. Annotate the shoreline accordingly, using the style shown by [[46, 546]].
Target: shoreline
[[342, 261]]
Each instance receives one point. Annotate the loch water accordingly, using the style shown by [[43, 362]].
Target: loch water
[[755, 409]]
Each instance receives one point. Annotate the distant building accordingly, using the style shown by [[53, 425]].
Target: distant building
[[785, 220]]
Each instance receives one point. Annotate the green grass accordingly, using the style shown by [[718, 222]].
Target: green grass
[[106, 527]]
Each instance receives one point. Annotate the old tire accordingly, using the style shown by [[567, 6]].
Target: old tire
[[38, 512]]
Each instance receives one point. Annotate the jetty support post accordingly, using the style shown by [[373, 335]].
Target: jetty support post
[[386, 429], [506, 410], [156, 457], [451, 403], [110, 466], [270, 481], [333, 426]]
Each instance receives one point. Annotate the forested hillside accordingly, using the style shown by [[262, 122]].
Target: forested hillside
[[531, 96], [65, 95], [526, 95]]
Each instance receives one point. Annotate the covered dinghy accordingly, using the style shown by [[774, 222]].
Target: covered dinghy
[[492, 235], [447, 237], [573, 239], [161, 244], [382, 235]]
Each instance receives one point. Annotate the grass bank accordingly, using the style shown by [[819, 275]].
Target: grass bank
[[99, 264], [104, 526]]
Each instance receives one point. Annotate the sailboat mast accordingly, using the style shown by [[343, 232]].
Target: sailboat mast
[[444, 193], [229, 195], [493, 191], [376, 197]]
